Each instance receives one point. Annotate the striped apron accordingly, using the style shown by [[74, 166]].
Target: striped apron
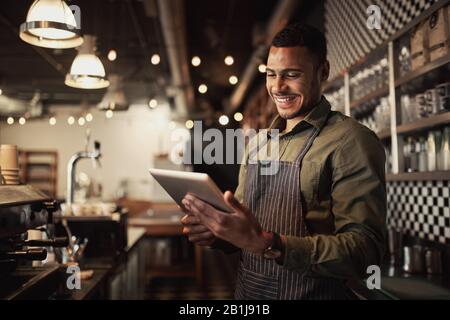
[[276, 201]]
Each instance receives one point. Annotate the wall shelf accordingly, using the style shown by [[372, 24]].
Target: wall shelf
[[420, 176], [420, 72], [384, 134], [39, 168], [424, 124], [379, 93]]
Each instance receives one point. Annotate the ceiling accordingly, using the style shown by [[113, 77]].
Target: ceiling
[[214, 29]]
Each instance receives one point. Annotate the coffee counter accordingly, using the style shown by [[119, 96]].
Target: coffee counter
[[399, 285]]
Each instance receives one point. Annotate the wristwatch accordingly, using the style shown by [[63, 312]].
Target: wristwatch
[[275, 249]]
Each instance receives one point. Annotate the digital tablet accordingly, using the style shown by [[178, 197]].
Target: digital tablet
[[179, 183]]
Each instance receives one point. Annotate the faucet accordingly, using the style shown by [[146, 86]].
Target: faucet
[[94, 155]]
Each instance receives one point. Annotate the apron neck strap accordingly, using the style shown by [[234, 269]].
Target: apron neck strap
[[309, 141]]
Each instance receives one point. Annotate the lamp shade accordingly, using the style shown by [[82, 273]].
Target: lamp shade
[[87, 71], [51, 24]]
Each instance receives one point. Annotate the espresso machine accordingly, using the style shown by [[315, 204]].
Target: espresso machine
[[24, 208]]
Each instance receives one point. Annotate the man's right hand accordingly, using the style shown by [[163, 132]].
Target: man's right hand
[[196, 232]]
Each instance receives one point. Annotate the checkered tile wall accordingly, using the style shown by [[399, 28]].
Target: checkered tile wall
[[420, 208], [346, 31]]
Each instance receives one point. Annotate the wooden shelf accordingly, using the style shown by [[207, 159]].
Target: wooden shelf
[[384, 134], [40, 164], [420, 176], [373, 95], [39, 168], [419, 72], [424, 124], [36, 178]]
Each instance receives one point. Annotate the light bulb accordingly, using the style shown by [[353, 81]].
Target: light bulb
[[202, 88], [223, 120], [189, 124], [155, 59], [109, 114], [10, 120], [233, 80], [262, 68], [22, 121], [153, 103], [229, 60], [196, 61], [71, 120], [112, 55], [52, 121], [89, 117], [81, 121], [238, 116]]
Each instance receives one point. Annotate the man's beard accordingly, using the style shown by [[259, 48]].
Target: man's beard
[[288, 116]]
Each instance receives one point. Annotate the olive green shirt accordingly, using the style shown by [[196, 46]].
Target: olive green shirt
[[343, 186]]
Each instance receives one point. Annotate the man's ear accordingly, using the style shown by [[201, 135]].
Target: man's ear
[[325, 71]]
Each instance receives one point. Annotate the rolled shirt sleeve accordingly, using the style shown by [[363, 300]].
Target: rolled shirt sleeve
[[358, 204]]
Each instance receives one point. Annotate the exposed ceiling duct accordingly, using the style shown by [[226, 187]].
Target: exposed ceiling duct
[[172, 19], [283, 13], [18, 107], [114, 97]]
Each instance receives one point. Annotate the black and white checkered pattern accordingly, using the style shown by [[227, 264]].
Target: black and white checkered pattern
[[420, 208], [346, 30]]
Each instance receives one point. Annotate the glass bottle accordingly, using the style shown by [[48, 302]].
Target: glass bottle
[[445, 149], [422, 156], [431, 151], [414, 150], [407, 155]]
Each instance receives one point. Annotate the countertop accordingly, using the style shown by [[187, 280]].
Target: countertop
[[399, 285]]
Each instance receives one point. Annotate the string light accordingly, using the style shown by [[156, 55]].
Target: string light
[[109, 114], [71, 120], [223, 120], [196, 61], [229, 60], [10, 120], [156, 59], [233, 80], [238, 116], [202, 88], [112, 55], [52, 121], [189, 124], [262, 68]]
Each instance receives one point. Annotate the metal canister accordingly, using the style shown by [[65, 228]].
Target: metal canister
[[433, 261]]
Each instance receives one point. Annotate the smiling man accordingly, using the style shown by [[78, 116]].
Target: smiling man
[[320, 220]]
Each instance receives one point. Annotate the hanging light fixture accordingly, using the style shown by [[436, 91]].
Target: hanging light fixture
[[51, 24], [87, 71]]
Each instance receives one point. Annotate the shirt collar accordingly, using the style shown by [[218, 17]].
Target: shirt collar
[[316, 118]]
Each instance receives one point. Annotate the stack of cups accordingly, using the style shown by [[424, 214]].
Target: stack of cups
[[9, 164]]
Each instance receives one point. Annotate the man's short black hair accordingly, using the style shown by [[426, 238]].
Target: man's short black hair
[[302, 35]]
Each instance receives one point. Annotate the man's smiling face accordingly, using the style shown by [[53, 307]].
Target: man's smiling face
[[293, 80]]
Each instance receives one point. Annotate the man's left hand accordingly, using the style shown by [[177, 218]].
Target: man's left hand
[[240, 227]]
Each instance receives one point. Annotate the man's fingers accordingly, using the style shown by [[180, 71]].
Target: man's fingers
[[234, 203], [190, 219], [204, 236], [193, 229]]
